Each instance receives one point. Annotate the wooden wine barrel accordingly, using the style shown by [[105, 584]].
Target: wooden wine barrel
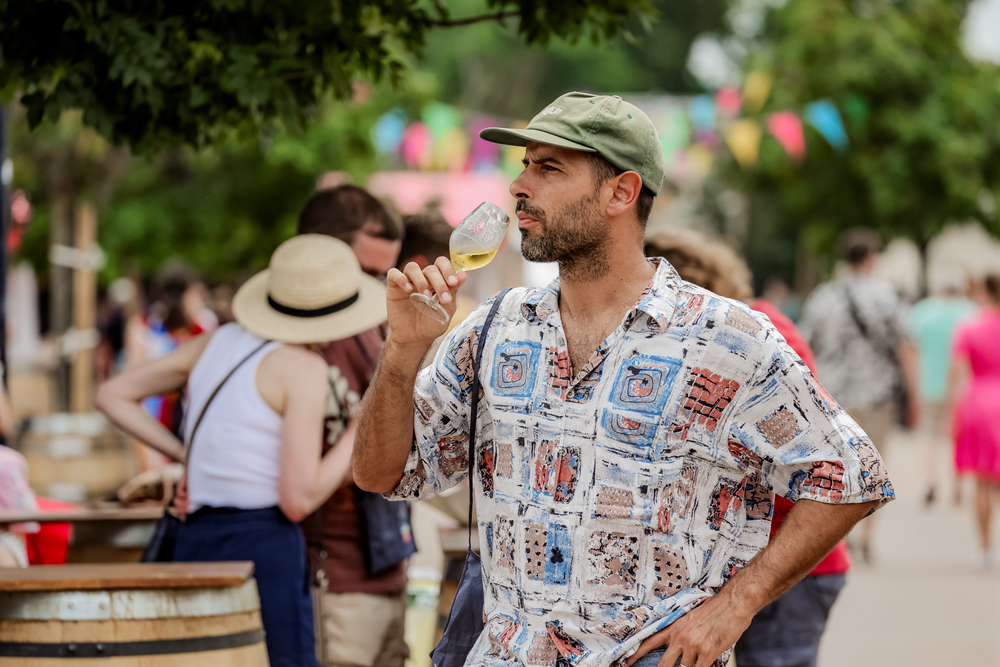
[[115, 614], [76, 457]]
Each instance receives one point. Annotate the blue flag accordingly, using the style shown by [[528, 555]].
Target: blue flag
[[823, 115]]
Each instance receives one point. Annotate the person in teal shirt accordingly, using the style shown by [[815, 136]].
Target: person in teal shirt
[[933, 321]]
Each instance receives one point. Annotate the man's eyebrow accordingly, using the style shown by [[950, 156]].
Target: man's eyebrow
[[543, 160]]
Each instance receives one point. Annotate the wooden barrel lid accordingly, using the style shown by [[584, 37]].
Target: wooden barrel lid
[[116, 576]]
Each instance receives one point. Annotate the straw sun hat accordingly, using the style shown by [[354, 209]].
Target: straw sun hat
[[314, 291]]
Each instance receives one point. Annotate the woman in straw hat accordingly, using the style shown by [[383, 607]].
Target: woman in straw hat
[[256, 403]]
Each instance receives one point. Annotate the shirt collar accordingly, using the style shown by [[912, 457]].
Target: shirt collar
[[657, 302]]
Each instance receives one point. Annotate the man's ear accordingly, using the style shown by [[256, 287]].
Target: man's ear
[[625, 189]]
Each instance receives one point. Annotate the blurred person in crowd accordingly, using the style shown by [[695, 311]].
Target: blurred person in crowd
[[15, 496], [358, 541], [776, 291], [222, 303], [786, 632], [633, 425], [973, 399], [856, 327], [256, 466], [166, 324], [428, 237], [425, 238], [933, 321]]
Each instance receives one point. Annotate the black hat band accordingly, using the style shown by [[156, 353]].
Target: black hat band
[[314, 312]]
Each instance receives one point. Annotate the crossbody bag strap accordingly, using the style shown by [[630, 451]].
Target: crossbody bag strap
[[866, 333], [475, 396], [320, 579], [211, 397]]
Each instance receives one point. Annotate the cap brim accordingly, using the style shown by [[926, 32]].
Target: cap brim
[[511, 137], [251, 310]]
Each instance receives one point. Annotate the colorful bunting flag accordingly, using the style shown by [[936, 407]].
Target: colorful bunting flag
[[823, 115], [388, 131], [756, 89], [743, 139], [416, 146], [728, 101], [703, 112], [483, 154], [674, 130], [787, 129]]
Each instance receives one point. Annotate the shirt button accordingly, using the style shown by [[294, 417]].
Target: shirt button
[[552, 510]]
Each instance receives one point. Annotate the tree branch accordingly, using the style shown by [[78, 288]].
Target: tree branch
[[500, 16]]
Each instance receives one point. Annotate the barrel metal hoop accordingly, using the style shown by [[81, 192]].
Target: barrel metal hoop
[[129, 649]]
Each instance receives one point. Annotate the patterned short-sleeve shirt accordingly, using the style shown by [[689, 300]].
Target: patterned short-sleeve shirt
[[614, 499]]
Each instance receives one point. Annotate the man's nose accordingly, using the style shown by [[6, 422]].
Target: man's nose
[[519, 188]]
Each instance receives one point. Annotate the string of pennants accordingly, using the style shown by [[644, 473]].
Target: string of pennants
[[691, 131]]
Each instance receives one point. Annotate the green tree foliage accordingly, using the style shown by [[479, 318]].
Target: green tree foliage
[[222, 209], [921, 118], [158, 74], [488, 69]]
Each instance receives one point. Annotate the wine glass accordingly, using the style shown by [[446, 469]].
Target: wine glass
[[473, 244]]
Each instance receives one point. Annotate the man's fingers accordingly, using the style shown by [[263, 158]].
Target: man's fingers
[[397, 278], [416, 278], [671, 657], [447, 270], [437, 283]]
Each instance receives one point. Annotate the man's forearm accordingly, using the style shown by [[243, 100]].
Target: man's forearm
[[385, 420], [809, 533]]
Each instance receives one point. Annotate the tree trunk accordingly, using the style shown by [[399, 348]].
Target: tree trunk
[[84, 312], [61, 292]]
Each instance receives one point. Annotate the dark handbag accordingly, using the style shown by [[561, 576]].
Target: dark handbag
[[387, 530], [900, 391], [465, 620], [160, 548]]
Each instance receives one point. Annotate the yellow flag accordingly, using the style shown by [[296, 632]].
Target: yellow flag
[[756, 89], [743, 139]]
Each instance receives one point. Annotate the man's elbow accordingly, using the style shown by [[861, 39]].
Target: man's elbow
[[375, 483]]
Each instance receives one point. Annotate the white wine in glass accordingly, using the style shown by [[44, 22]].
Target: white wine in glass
[[473, 245]]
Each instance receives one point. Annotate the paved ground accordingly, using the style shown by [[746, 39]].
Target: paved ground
[[924, 601]]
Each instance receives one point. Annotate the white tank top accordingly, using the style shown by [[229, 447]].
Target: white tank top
[[235, 457]]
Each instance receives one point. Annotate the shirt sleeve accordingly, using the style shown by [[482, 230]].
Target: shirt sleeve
[[439, 455], [807, 445]]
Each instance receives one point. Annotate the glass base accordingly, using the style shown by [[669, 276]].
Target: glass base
[[430, 307]]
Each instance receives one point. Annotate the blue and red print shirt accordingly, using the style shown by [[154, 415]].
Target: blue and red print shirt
[[614, 499]]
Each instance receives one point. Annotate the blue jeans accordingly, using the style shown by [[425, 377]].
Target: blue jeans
[[786, 633]]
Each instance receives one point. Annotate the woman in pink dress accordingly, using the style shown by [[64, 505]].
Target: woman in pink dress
[[976, 356]]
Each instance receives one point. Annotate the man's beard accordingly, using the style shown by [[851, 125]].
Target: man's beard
[[574, 236]]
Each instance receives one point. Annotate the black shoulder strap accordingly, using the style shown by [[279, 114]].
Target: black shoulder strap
[[211, 397], [475, 396], [880, 345]]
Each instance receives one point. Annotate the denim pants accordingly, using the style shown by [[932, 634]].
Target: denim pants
[[278, 551], [786, 633]]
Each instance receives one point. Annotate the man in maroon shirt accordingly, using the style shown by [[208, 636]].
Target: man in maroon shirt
[[362, 612]]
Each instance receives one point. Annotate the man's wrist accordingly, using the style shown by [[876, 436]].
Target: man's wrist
[[739, 598], [405, 356]]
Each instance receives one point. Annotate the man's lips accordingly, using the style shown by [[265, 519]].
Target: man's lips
[[524, 220]]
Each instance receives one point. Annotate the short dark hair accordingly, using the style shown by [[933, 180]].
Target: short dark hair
[[602, 170], [858, 244], [345, 210], [426, 234]]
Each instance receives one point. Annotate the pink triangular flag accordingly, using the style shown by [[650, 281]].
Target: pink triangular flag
[[728, 101], [787, 129]]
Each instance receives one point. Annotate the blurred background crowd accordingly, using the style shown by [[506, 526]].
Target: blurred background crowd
[[838, 163]]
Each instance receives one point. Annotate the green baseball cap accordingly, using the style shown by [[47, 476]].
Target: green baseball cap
[[602, 124]]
